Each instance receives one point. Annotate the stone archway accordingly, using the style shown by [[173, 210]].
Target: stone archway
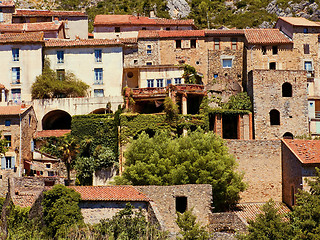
[[56, 119]]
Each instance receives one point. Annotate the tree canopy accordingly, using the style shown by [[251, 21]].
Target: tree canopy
[[197, 158], [48, 85]]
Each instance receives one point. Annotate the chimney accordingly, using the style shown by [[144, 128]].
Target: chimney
[[152, 15], [56, 20]]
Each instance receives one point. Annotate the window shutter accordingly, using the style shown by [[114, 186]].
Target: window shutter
[[13, 162], [32, 146], [3, 163]]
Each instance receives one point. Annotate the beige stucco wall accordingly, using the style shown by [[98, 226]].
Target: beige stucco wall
[[77, 27], [81, 61], [30, 63]]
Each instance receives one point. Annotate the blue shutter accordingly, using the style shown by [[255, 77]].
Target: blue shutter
[[12, 162], [32, 146], [3, 163]]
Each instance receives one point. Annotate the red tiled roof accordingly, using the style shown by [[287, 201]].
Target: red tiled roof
[[21, 37], [139, 20], [307, 151], [33, 12], [24, 200], [110, 193], [81, 42], [211, 32], [52, 133], [299, 21], [12, 110], [266, 36], [169, 34], [249, 211], [30, 27], [7, 3]]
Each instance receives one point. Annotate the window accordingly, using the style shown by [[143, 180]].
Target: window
[[1, 16], [306, 48], [135, 61], [286, 90], [15, 75], [148, 63], [7, 123], [144, 28], [16, 95], [226, 63], [308, 65], [117, 29], [177, 81], [98, 55], [193, 43], [15, 54], [305, 30], [9, 163], [274, 117], [61, 74], [216, 43], [149, 49], [98, 76], [150, 83], [215, 75], [178, 43], [264, 50], [233, 43], [169, 81], [167, 29], [98, 93], [159, 82], [181, 204], [287, 135], [60, 56], [8, 140], [272, 66], [274, 50]]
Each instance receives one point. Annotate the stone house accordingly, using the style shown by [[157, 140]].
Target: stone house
[[7, 8], [18, 125], [299, 160], [128, 26]]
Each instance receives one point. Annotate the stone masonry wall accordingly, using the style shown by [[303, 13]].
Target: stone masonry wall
[[199, 199], [260, 161], [265, 90], [144, 56]]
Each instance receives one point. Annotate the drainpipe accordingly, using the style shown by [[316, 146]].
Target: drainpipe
[[20, 147]]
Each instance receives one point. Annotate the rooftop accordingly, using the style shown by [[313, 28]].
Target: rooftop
[[299, 21], [33, 12], [13, 110], [139, 20], [110, 193], [30, 37], [30, 27], [52, 133], [266, 36], [169, 34], [81, 42], [7, 3], [307, 151], [211, 32]]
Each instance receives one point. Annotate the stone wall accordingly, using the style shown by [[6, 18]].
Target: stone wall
[[148, 57], [226, 222], [265, 90], [260, 161], [199, 198]]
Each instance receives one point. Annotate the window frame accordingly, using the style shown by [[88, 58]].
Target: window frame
[[177, 81], [234, 43], [61, 74], [178, 43], [98, 55], [193, 43], [15, 54], [275, 50], [159, 82], [227, 59], [98, 76], [16, 75], [8, 139], [98, 92], [150, 83], [216, 43], [60, 56], [306, 48]]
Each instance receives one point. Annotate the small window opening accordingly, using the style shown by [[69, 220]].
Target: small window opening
[[178, 43], [272, 66], [306, 48], [144, 28], [274, 117], [288, 135], [117, 29], [286, 90], [181, 204], [193, 43], [264, 50], [274, 50], [305, 30]]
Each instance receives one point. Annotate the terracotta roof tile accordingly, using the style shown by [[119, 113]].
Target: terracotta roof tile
[[170, 34], [299, 21], [266, 36], [33, 12], [110, 193], [307, 151], [249, 211], [7, 3], [30, 37], [12, 110], [52, 133], [211, 32], [139, 20], [24, 200], [30, 27], [81, 42]]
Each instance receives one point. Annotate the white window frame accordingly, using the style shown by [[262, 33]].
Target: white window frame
[[60, 56], [98, 55], [98, 76]]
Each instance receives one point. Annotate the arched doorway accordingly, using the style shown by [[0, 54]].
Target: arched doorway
[[288, 135], [56, 119]]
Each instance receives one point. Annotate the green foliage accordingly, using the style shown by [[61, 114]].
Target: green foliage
[[241, 101], [171, 109], [47, 85], [268, 225], [190, 75], [128, 224], [190, 230], [195, 159], [51, 145], [61, 210]]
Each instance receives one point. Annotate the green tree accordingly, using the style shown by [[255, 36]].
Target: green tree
[[60, 210], [268, 225], [241, 101], [47, 85], [190, 230], [190, 75], [171, 109], [196, 158]]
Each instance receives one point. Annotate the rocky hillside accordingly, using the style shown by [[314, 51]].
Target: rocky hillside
[[206, 13]]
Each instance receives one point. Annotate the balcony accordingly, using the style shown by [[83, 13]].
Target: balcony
[[149, 92]]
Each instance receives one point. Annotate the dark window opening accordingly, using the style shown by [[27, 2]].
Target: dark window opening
[[178, 43], [49, 183], [117, 29], [181, 204], [148, 107], [167, 28], [234, 44], [274, 117], [274, 50], [193, 104], [56, 119], [288, 135], [193, 43], [272, 66], [144, 28], [306, 48], [286, 90], [230, 126], [305, 30], [264, 50], [212, 121]]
